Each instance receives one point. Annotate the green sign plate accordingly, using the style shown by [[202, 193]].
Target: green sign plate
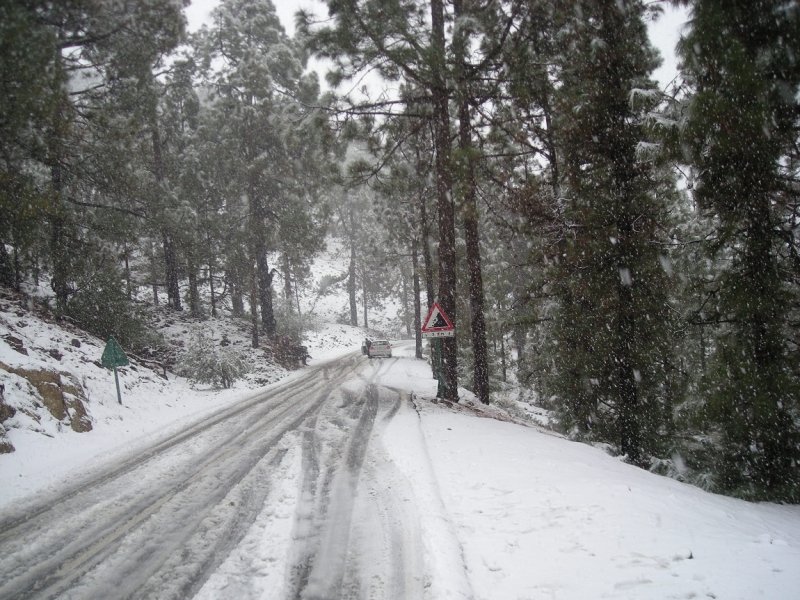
[[113, 356]]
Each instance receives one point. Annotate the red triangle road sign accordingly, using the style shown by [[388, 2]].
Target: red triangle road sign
[[436, 320]]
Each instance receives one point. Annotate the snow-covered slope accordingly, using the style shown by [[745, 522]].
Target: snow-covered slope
[[537, 516], [54, 434]]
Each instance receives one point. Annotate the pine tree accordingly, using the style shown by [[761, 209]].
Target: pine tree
[[613, 324], [741, 57], [56, 149], [32, 90], [437, 53], [256, 74]]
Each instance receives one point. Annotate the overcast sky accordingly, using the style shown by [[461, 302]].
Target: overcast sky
[[664, 33]]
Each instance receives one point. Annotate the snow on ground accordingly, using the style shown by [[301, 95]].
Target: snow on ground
[[538, 516], [507, 509], [256, 567], [48, 451]]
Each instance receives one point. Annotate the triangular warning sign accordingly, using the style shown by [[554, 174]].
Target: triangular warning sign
[[437, 320]]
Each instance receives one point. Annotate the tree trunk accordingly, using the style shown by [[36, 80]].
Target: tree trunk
[[171, 270], [428, 262], [128, 289], [628, 415], [549, 135], [286, 267], [17, 270], [406, 312], [417, 307], [364, 292], [254, 304], [153, 273], [237, 296], [58, 247], [212, 293], [6, 270], [265, 294], [258, 245], [476, 300], [194, 294], [351, 278], [36, 270], [503, 355], [446, 208], [170, 253]]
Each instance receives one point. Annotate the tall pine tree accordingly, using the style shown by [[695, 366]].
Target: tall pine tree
[[742, 58], [613, 323]]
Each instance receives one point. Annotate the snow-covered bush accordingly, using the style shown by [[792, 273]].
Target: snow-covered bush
[[511, 407], [209, 363], [102, 308], [291, 324]]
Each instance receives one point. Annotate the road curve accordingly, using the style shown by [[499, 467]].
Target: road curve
[[159, 524]]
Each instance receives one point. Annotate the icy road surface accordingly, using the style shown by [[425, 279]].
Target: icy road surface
[[342, 484], [163, 524]]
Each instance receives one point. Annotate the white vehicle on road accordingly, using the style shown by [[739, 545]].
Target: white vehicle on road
[[379, 348]]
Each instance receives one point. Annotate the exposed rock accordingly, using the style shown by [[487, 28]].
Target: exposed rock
[[5, 444], [51, 394], [55, 353], [74, 399], [69, 385], [52, 387], [78, 419], [15, 344], [76, 342], [6, 411]]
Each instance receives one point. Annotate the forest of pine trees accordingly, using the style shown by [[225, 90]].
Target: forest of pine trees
[[627, 256]]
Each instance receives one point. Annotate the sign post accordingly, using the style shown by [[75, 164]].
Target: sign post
[[439, 374], [438, 325], [113, 357]]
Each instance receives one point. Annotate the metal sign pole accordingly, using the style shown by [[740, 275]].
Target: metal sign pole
[[116, 380], [440, 391]]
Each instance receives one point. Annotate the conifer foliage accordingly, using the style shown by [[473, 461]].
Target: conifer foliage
[[613, 326], [625, 256], [741, 137]]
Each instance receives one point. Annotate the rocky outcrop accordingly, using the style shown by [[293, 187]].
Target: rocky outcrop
[[6, 412], [5, 444], [61, 393]]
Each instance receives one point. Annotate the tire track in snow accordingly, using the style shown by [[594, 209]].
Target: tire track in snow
[[356, 530], [386, 558], [71, 539], [445, 571], [330, 472], [13, 519]]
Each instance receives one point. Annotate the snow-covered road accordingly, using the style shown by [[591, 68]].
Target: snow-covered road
[[348, 482], [159, 525]]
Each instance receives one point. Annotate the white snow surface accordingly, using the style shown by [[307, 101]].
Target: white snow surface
[[500, 506], [506, 510]]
